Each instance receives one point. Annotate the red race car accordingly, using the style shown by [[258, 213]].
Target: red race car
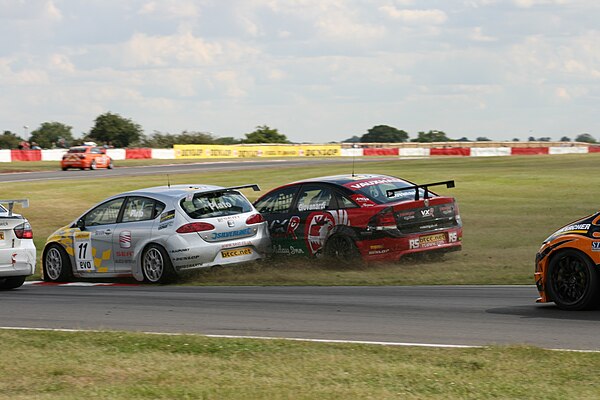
[[376, 217]]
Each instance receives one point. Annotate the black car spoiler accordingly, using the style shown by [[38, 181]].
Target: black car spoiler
[[254, 187], [23, 202], [391, 192]]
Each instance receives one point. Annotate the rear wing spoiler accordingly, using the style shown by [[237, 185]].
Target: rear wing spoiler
[[391, 192], [23, 202], [254, 187]]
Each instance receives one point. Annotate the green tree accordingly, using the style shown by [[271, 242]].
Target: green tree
[[353, 139], [264, 134], [384, 134], [432, 136], [48, 134], [227, 140], [565, 139], [115, 130], [586, 138], [483, 139], [9, 140]]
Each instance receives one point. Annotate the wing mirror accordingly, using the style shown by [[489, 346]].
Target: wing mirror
[[81, 224]]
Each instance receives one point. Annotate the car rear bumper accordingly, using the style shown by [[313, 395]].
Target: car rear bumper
[[17, 262]]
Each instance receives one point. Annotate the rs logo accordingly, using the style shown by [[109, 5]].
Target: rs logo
[[452, 237], [413, 244]]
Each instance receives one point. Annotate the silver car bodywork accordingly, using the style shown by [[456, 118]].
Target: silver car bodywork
[[17, 251], [186, 226]]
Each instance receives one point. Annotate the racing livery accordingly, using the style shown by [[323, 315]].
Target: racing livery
[[153, 234], [84, 157], [17, 251], [566, 266], [376, 217]]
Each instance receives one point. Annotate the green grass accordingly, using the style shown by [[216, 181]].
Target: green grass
[[114, 365], [509, 205]]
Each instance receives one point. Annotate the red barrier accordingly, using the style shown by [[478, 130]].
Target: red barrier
[[26, 155], [528, 151], [138, 153], [380, 152], [450, 151], [594, 149]]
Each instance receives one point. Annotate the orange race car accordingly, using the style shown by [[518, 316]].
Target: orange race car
[[566, 266], [83, 157]]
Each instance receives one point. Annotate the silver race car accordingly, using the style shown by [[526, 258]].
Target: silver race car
[[17, 251], [153, 234]]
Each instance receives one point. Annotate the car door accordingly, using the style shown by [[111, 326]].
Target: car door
[[134, 230], [283, 226], [315, 208], [93, 245]]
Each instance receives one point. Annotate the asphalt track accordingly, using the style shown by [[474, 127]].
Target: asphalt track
[[430, 315]]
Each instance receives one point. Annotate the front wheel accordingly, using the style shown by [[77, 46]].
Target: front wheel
[[341, 248], [156, 265], [12, 282], [56, 265], [572, 281]]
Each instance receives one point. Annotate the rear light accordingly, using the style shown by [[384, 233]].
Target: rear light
[[23, 231], [195, 227], [255, 219], [82, 156], [384, 220]]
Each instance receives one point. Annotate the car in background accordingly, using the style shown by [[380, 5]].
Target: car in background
[[374, 217], [157, 233], [567, 265], [86, 157], [17, 250]]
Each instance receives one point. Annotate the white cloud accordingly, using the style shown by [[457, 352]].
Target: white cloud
[[415, 17], [478, 35], [171, 9]]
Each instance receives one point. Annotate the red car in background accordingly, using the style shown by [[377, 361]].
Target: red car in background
[[84, 157], [375, 217]]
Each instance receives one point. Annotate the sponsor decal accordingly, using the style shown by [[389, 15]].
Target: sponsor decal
[[453, 237], [127, 254], [319, 225], [167, 216], [407, 215], [360, 185], [187, 258], [372, 252], [427, 212], [231, 223], [125, 239], [432, 240], [292, 226], [291, 250], [244, 251], [3, 223], [595, 246], [235, 244], [231, 234], [312, 207], [230, 217], [574, 228], [180, 250], [165, 225]]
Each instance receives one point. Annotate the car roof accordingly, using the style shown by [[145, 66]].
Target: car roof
[[176, 191], [344, 179]]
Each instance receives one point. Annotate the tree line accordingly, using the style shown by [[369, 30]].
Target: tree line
[[113, 130]]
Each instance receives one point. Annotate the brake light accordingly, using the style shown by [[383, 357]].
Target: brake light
[[23, 231], [255, 219], [384, 220], [195, 227]]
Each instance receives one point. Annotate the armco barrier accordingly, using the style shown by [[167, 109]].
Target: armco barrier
[[163, 154], [594, 149], [5, 156], [380, 152], [116, 154], [490, 151], [568, 150], [450, 151], [528, 151], [141, 153], [26, 155], [414, 152], [53, 154]]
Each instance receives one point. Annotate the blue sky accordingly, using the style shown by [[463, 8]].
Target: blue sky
[[317, 70]]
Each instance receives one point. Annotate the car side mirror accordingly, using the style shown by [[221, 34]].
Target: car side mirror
[[81, 224]]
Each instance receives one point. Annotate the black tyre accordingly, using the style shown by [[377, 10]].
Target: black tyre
[[56, 264], [572, 281], [64, 168], [12, 283], [156, 265], [93, 165], [342, 248], [110, 164]]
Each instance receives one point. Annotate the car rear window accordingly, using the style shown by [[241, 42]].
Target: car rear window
[[77, 150], [376, 190], [215, 204]]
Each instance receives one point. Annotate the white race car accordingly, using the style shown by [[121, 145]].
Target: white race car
[[17, 251]]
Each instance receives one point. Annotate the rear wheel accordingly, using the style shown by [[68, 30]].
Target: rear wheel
[[93, 165], [572, 281], [56, 264], [110, 165], [341, 248], [64, 168], [12, 282], [156, 265]]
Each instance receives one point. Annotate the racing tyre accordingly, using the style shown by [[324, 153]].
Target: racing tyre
[[56, 264], [572, 281], [93, 165], [12, 282], [156, 265], [110, 165], [341, 248], [64, 168]]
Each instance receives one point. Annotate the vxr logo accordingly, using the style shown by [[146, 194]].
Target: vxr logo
[[428, 212]]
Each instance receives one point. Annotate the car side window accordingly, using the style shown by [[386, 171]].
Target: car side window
[[105, 213], [139, 209], [345, 202], [279, 201], [315, 198]]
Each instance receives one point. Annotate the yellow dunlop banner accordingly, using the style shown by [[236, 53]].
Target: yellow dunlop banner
[[189, 151]]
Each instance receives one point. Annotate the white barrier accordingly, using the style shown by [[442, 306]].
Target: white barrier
[[116, 154], [5, 156], [569, 150], [53, 154], [164, 154], [351, 152], [414, 152], [490, 151]]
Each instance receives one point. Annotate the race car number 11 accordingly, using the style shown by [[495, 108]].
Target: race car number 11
[[83, 252]]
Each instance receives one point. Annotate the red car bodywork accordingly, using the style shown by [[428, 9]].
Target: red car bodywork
[[379, 217], [84, 157]]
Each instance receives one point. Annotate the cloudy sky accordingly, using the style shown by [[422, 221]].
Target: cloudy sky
[[317, 70]]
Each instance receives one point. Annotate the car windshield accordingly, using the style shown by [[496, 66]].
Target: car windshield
[[77, 150], [376, 190], [215, 204]]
